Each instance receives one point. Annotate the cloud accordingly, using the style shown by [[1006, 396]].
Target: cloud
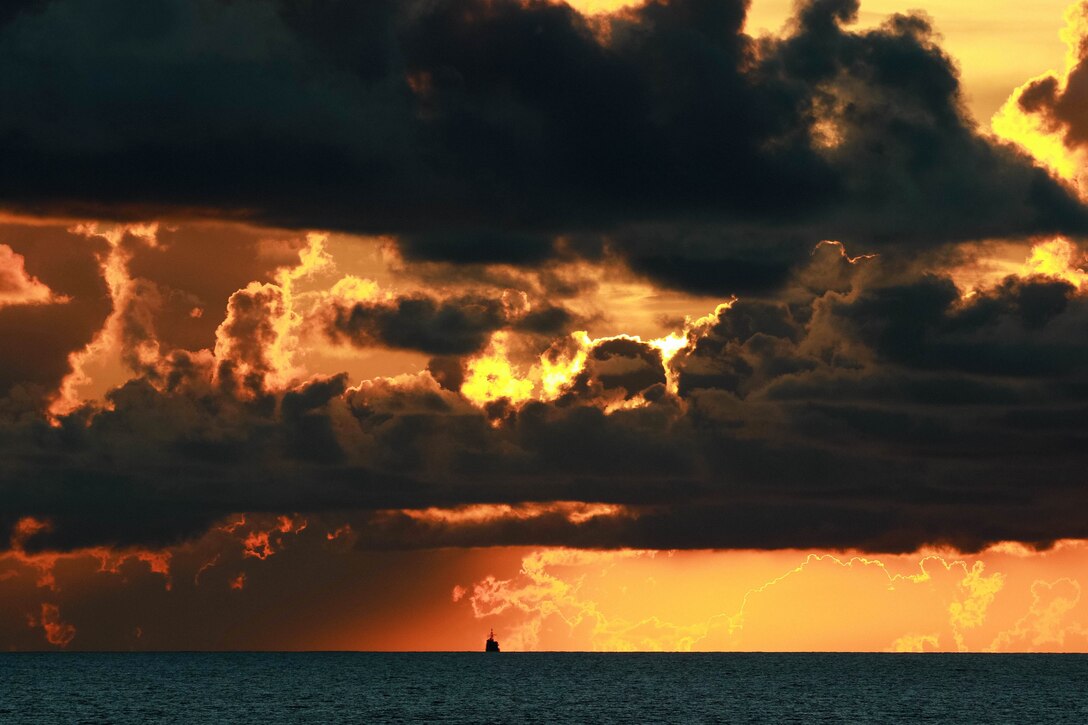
[[613, 601], [177, 266], [16, 286], [185, 397], [1048, 621], [515, 154], [554, 599], [1058, 99], [57, 631], [871, 407], [442, 327], [483, 132], [48, 264]]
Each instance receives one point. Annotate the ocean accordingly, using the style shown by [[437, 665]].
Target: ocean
[[541, 688]]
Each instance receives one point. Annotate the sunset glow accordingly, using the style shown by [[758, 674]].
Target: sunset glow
[[610, 326]]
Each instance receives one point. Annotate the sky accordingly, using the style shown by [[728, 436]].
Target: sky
[[678, 325]]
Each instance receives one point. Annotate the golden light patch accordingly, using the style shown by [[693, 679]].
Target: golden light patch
[[1057, 258], [759, 601], [98, 366], [576, 512], [1060, 259], [1029, 133], [1043, 141], [491, 376], [561, 365]]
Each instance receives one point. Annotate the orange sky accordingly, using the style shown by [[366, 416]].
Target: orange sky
[[1005, 599], [998, 43], [288, 580]]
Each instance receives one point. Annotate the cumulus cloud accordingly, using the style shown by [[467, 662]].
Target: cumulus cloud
[[51, 262], [869, 407], [484, 131], [841, 401], [16, 286], [453, 326], [1058, 100]]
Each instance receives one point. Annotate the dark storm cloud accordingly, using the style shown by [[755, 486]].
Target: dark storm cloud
[[883, 414], [480, 131], [755, 341], [447, 327], [477, 246], [442, 327], [1016, 329], [448, 371], [838, 403], [626, 366]]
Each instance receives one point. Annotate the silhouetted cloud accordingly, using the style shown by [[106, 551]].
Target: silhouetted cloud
[[1059, 100], [454, 326], [479, 131], [837, 402], [884, 414]]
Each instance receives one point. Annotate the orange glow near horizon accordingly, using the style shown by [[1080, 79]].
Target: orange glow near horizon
[[261, 415], [1007, 598]]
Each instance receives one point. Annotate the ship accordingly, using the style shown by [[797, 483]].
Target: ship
[[492, 644]]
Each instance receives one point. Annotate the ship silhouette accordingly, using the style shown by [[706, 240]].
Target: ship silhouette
[[492, 644]]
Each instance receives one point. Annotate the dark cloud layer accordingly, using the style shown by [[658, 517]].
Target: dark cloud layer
[[453, 326], [838, 403], [884, 414], [478, 131]]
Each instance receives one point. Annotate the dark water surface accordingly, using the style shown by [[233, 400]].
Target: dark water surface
[[545, 688]]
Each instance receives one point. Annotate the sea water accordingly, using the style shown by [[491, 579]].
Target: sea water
[[543, 688]]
